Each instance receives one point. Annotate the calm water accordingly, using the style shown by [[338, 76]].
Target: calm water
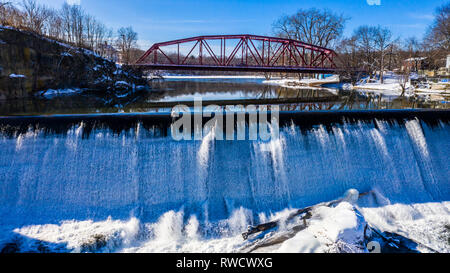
[[166, 94]]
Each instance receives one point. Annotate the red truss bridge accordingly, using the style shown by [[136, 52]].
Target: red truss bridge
[[246, 53]]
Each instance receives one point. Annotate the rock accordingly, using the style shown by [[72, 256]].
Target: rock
[[38, 64], [10, 248]]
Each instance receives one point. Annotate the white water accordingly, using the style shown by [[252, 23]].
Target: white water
[[149, 194]]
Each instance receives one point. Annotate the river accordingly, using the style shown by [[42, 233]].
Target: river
[[120, 183], [233, 91]]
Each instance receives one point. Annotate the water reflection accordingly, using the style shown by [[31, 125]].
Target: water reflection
[[166, 94]]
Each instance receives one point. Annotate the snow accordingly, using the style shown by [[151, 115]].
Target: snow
[[12, 76], [302, 83], [118, 83], [426, 223], [76, 235], [416, 59], [332, 229], [338, 229], [66, 54], [329, 231], [211, 77], [303, 242], [391, 85], [57, 92], [122, 95], [6, 27]]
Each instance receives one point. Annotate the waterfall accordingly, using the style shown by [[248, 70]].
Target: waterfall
[[99, 173]]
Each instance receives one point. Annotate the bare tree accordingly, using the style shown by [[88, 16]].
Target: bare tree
[[4, 3], [5, 11], [437, 39], [35, 15], [66, 22], [439, 32], [73, 21], [412, 47], [318, 27], [364, 37], [126, 40], [78, 15], [99, 33], [383, 40], [54, 25], [404, 79], [350, 58], [72, 25], [89, 27]]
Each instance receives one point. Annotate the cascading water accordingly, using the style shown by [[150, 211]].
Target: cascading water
[[189, 190]]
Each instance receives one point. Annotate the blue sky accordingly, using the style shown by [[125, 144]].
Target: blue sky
[[163, 20]]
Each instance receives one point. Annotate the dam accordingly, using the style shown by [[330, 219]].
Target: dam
[[120, 166]]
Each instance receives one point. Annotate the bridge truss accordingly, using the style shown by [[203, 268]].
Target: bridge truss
[[248, 53]]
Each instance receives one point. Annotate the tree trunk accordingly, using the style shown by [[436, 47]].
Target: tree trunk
[[382, 68]]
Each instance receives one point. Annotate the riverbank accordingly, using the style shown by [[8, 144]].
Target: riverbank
[[307, 82], [35, 65], [391, 86]]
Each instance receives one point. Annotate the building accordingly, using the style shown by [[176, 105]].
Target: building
[[415, 64]]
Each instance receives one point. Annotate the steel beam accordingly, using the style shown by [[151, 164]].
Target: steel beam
[[318, 58], [286, 69]]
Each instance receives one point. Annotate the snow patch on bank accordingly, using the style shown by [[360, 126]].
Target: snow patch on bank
[[210, 77], [59, 92], [12, 76], [302, 83]]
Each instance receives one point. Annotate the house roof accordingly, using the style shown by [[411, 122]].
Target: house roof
[[416, 59]]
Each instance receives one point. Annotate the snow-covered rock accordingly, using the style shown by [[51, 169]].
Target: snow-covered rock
[[302, 83], [57, 92], [12, 76], [339, 229]]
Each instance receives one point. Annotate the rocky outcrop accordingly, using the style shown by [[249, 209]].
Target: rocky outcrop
[[31, 64]]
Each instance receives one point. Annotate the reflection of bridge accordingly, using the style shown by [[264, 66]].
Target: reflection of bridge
[[247, 53]]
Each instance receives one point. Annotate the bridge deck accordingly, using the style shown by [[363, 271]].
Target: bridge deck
[[238, 68]]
